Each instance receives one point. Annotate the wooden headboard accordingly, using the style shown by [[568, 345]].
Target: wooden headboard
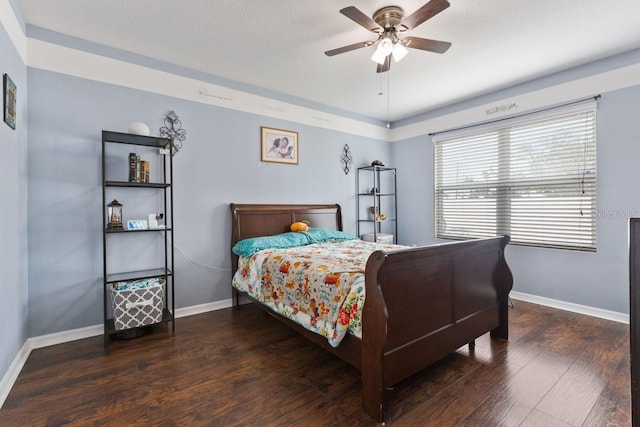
[[266, 220]]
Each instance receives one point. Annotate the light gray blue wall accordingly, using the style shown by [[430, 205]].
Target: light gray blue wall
[[219, 164], [413, 159], [14, 315], [593, 279]]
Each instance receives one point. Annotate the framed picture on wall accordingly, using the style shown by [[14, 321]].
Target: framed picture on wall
[[279, 146], [9, 101]]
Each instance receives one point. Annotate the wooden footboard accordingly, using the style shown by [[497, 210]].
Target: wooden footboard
[[421, 303], [424, 303]]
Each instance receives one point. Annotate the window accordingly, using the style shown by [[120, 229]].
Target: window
[[532, 178]]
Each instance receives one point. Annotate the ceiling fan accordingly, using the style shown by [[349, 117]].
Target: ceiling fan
[[388, 23]]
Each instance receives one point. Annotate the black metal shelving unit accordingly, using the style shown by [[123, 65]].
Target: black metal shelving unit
[[377, 191], [165, 267]]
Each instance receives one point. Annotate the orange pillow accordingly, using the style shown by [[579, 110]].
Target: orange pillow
[[299, 226]]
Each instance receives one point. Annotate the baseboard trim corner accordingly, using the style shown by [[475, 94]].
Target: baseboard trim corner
[[14, 370], [77, 334]]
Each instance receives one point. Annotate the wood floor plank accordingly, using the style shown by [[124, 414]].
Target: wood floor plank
[[244, 368], [461, 398], [612, 408], [608, 413], [573, 396], [425, 385], [540, 419], [511, 404]]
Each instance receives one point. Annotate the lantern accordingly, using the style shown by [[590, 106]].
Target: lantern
[[114, 212]]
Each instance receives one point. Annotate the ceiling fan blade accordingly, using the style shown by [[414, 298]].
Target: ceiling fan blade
[[436, 46], [358, 17], [427, 11], [383, 68], [348, 48]]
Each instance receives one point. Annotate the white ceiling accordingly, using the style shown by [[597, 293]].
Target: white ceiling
[[279, 44]]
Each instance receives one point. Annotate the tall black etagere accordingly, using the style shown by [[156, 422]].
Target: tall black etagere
[[160, 149], [376, 194]]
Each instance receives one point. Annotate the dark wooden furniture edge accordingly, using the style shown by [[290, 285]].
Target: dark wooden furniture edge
[[422, 303], [634, 319], [428, 302]]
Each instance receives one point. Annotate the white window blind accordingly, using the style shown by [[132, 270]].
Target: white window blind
[[532, 178]]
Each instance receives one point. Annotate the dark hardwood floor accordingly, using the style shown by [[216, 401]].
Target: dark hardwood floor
[[244, 368]]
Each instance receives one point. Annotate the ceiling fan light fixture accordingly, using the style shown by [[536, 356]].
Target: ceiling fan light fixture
[[378, 57], [386, 46], [387, 23], [384, 49], [399, 51]]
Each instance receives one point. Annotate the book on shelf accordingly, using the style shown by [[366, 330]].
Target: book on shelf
[[145, 169], [132, 167], [139, 170]]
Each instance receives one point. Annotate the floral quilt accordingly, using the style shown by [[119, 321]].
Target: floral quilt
[[319, 286]]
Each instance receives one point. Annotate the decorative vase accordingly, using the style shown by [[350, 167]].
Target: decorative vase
[[139, 128]]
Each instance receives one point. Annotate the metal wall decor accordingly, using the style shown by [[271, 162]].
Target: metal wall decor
[[347, 159], [173, 129]]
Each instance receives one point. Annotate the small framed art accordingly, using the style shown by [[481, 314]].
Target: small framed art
[[9, 101], [279, 146]]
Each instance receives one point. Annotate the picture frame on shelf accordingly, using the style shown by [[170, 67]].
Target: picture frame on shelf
[[279, 145], [9, 101]]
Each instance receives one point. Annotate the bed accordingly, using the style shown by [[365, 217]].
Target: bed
[[422, 303]]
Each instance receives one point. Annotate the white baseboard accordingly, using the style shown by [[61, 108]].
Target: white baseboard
[[95, 330], [14, 370], [77, 334], [569, 306], [203, 308], [66, 336]]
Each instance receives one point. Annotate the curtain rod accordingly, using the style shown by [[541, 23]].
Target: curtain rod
[[595, 98]]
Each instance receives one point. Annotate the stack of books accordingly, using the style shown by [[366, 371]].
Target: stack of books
[[139, 170]]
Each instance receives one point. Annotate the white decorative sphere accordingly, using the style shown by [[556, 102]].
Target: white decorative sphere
[[139, 128]]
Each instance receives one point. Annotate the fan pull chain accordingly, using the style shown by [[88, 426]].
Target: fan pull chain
[[388, 96]]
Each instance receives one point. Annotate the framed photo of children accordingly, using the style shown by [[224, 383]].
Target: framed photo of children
[[9, 101], [279, 146]]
